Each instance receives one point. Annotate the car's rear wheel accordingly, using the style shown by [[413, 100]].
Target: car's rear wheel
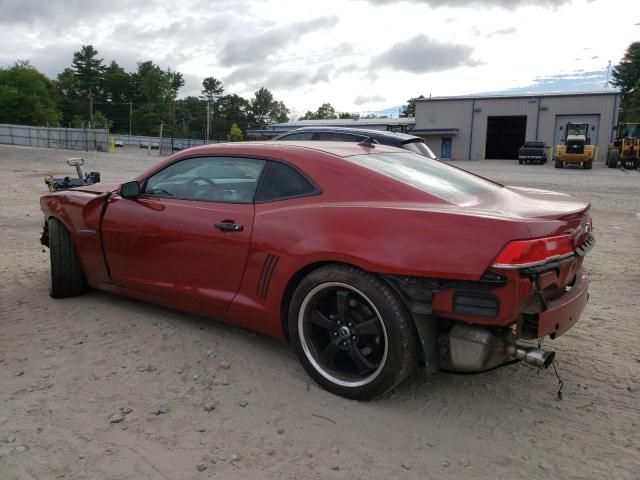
[[67, 277], [351, 332]]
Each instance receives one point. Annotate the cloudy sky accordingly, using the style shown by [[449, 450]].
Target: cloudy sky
[[360, 55]]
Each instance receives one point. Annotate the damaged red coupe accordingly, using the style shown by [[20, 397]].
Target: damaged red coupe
[[367, 258]]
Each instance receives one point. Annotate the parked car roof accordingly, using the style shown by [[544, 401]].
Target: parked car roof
[[385, 137]]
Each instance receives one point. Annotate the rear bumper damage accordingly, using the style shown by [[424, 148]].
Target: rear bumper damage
[[475, 335], [561, 314], [475, 348]]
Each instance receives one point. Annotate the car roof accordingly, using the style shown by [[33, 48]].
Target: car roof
[[400, 137]]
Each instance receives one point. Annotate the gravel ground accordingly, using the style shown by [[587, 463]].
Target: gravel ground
[[102, 387]]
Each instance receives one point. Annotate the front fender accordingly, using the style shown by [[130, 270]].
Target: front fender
[[80, 213]]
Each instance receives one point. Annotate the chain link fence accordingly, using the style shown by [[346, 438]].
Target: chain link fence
[[89, 139], [46, 137]]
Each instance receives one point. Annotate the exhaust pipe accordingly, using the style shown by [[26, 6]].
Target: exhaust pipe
[[536, 357], [472, 348]]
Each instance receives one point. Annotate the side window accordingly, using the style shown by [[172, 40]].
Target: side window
[[214, 179], [298, 136], [337, 137], [282, 181]]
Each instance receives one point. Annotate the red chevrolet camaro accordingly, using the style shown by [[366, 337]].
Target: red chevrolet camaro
[[367, 258]]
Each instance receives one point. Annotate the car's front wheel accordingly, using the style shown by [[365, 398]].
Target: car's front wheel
[[67, 277], [351, 332]]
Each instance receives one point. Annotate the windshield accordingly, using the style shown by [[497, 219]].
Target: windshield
[[577, 129], [419, 147], [534, 144], [431, 176], [630, 130]]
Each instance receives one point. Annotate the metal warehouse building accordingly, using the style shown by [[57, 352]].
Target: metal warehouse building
[[495, 127]]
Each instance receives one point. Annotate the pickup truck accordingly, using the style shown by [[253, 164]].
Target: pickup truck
[[532, 152]]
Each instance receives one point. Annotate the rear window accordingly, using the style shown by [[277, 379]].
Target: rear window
[[534, 144], [419, 147], [431, 176], [297, 136], [338, 137], [281, 182]]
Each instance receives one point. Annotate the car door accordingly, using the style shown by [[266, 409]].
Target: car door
[[187, 235]]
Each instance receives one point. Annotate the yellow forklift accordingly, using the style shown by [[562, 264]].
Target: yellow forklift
[[576, 147], [625, 147]]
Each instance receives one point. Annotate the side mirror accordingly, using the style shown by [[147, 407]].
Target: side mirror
[[130, 189]]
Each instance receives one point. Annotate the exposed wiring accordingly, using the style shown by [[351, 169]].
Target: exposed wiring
[[560, 382]]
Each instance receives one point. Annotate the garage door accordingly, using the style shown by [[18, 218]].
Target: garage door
[[505, 135], [562, 120]]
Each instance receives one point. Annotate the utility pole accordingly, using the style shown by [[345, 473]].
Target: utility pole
[[206, 140], [130, 116], [90, 108]]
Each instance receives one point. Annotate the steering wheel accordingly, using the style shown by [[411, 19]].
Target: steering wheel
[[191, 188]]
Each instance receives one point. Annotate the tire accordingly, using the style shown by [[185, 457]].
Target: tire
[[612, 158], [559, 163], [339, 315], [520, 162], [629, 163], [588, 165], [67, 277]]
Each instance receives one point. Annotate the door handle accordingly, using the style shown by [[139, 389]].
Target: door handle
[[229, 227]]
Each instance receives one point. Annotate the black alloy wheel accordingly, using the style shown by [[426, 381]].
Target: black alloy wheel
[[351, 331], [342, 334]]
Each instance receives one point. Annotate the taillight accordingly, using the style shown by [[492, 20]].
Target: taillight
[[527, 253]]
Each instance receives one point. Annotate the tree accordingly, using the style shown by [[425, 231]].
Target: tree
[[346, 115], [324, 112], [191, 117], [211, 88], [228, 110], [72, 101], [280, 112], [262, 107], [89, 70], [27, 96], [235, 134], [626, 77], [153, 85], [409, 110], [101, 121], [116, 89]]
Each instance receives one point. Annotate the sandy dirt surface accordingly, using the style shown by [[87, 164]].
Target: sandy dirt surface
[[104, 387]]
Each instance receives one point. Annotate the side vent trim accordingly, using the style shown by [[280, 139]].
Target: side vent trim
[[268, 268]]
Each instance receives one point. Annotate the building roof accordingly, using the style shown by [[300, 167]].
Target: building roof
[[346, 122], [512, 96]]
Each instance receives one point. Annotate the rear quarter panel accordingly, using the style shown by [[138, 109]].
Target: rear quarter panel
[[376, 238]]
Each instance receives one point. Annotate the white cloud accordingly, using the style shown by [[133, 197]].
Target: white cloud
[[368, 49]]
